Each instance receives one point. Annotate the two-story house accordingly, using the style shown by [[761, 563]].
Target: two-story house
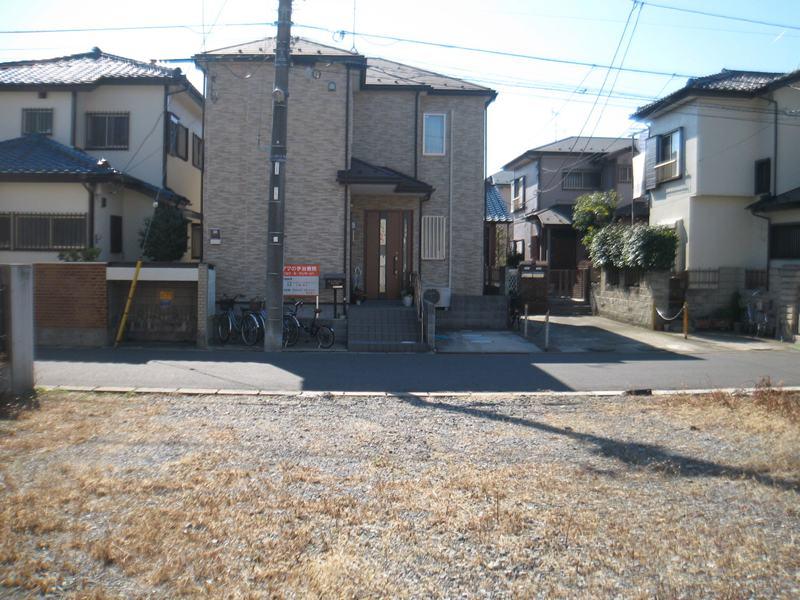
[[547, 182], [385, 171], [722, 165], [88, 143]]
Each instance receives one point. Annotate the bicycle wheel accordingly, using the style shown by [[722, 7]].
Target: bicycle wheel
[[224, 328], [291, 331], [325, 336], [251, 329]]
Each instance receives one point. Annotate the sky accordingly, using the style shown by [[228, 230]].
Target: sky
[[538, 101]]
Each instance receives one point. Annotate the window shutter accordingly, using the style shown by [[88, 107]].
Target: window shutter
[[433, 238], [650, 160], [679, 144]]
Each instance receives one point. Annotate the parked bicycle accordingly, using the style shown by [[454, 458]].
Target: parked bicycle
[[253, 330], [230, 321], [757, 317], [292, 325]]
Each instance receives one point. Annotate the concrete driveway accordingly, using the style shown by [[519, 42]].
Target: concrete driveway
[[598, 334]]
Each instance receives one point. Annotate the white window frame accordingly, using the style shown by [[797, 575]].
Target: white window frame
[[434, 237], [628, 170], [444, 134], [669, 170], [38, 112], [519, 192]]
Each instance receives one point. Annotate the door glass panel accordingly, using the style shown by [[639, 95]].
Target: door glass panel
[[382, 256], [404, 251]]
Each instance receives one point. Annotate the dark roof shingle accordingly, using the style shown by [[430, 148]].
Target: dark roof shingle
[[362, 172], [496, 211], [726, 82], [39, 155], [89, 68], [378, 72]]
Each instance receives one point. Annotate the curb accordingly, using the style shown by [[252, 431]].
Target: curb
[[384, 394]]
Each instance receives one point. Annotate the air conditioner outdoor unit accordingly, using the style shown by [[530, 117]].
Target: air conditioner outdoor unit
[[440, 296]]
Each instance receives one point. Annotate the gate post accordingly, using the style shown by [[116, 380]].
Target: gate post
[[20, 327]]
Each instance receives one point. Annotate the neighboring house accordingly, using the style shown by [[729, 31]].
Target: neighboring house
[[722, 166], [548, 180], [497, 231], [88, 142], [385, 171]]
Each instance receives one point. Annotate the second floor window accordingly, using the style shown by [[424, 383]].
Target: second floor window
[[580, 180], [624, 174], [37, 120], [178, 139], [107, 131], [197, 151], [519, 193], [433, 134], [763, 176], [668, 159]]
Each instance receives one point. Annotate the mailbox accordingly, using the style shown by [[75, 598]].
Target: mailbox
[[533, 286]]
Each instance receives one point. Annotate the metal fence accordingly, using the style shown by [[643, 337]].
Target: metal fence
[[3, 324]]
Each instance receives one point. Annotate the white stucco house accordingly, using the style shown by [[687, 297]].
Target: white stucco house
[[722, 166], [88, 142]]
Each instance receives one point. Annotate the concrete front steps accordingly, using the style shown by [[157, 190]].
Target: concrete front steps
[[569, 307], [380, 326]]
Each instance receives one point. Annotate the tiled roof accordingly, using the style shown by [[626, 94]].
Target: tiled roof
[[378, 72], [266, 47], [784, 201], [82, 69], [496, 210], [39, 158], [558, 214], [363, 172], [573, 145], [726, 82], [384, 72], [39, 155]]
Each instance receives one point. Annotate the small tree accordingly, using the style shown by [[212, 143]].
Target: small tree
[[593, 212], [166, 239]]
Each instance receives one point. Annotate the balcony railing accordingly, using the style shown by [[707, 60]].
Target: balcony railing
[[667, 170]]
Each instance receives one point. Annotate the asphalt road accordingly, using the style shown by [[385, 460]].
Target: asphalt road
[[342, 371]]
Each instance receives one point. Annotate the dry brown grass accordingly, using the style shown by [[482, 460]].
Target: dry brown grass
[[216, 517]]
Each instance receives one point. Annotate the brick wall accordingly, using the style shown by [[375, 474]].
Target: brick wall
[[70, 301]]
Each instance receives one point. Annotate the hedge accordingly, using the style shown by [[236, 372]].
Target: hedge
[[634, 247]]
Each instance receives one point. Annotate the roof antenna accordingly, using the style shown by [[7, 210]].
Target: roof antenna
[[353, 47]]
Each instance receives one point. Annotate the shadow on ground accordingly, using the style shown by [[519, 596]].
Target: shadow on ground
[[638, 456]]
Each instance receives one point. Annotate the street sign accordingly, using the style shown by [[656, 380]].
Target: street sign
[[300, 280]]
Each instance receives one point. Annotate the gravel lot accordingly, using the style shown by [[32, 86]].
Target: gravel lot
[[105, 495]]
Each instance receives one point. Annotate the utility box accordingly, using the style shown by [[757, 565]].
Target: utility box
[[533, 286]]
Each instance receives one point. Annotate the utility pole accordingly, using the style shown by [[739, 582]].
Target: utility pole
[[276, 197]]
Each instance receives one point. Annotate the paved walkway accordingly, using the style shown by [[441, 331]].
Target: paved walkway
[[598, 334], [355, 372]]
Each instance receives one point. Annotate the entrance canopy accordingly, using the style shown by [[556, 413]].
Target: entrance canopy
[[364, 178]]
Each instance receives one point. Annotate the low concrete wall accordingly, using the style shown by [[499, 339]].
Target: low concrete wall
[[474, 312], [632, 305]]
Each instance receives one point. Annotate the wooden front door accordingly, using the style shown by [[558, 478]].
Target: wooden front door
[[387, 252]]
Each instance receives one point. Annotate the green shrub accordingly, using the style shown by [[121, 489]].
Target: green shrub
[[637, 247], [593, 212], [166, 239], [82, 255]]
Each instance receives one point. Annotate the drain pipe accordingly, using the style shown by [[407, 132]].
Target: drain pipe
[[450, 213]]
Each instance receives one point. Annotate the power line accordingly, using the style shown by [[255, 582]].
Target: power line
[[721, 16], [490, 52]]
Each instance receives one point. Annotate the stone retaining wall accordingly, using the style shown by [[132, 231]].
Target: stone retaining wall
[[632, 305]]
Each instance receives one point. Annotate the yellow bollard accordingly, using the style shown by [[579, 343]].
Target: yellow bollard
[[685, 320], [131, 291]]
